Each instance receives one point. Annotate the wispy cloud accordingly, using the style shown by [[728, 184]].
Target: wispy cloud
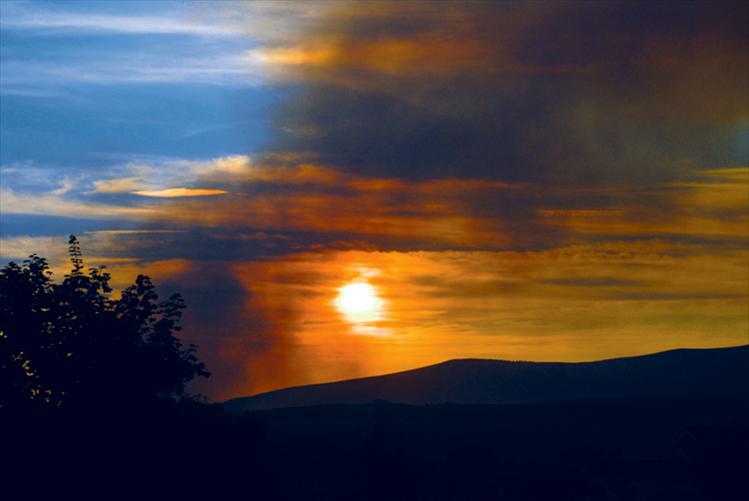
[[219, 51], [56, 205], [118, 185], [31, 74], [136, 68], [31, 17]]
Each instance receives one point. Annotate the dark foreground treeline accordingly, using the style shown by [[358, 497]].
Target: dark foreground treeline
[[685, 448]]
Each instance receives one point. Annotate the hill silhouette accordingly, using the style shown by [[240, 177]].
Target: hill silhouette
[[682, 372]]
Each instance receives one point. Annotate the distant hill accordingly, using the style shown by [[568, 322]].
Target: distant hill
[[683, 372]]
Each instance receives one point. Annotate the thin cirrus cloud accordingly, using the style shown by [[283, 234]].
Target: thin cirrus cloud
[[138, 69], [31, 17], [199, 58], [192, 43], [50, 204], [267, 21]]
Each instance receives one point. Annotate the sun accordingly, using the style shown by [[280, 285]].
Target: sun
[[358, 301]]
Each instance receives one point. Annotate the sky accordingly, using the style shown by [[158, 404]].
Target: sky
[[341, 189]]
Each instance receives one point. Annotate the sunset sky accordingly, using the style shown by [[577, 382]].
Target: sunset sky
[[347, 189]]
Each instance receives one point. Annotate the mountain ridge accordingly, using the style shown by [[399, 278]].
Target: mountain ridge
[[682, 371]]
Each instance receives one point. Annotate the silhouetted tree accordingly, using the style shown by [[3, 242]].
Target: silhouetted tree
[[70, 345]]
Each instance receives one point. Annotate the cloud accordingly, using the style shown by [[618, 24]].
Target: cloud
[[179, 192], [24, 77], [586, 281], [23, 186], [51, 204], [172, 171], [718, 192], [567, 94], [118, 185], [186, 44], [65, 186], [161, 174], [183, 43], [19, 248], [23, 16], [298, 203], [281, 203]]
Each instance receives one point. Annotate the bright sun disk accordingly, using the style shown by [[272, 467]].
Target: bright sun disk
[[359, 302]]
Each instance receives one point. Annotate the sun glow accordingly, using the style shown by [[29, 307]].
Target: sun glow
[[359, 303]]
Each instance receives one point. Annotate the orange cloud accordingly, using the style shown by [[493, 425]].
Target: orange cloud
[[179, 192], [465, 213]]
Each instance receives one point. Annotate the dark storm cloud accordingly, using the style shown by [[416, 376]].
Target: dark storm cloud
[[566, 93]]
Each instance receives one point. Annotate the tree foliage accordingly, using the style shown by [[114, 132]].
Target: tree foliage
[[72, 345]]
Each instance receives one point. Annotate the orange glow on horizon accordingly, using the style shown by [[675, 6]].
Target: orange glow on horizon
[[343, 314]]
